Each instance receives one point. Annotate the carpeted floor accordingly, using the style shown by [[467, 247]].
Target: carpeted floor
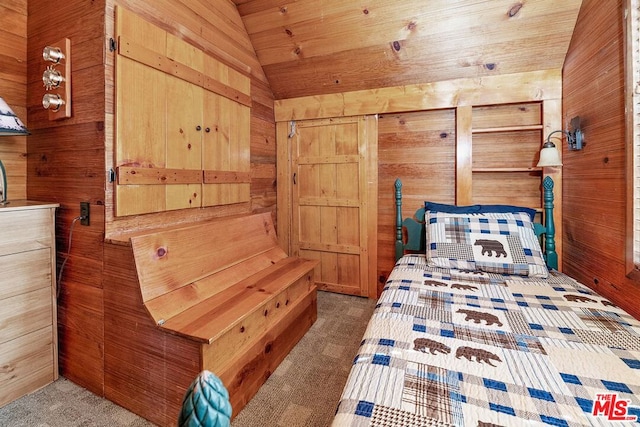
[[303, 391]]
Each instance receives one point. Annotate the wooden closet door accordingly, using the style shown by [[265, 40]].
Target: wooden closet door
[[329, 218]]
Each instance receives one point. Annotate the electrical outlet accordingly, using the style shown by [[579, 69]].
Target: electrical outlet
[[84, 213]]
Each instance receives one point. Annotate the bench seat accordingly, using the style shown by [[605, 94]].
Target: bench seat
[[262, 294], [228, 293]]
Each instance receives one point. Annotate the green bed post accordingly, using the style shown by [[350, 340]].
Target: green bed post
[[399, 243], [549, 241]]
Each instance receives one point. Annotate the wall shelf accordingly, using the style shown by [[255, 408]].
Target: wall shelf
[[496, 154], [529, 169], [508, 129]]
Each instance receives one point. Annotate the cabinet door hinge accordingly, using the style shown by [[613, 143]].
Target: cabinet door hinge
[[113, 44], [292, 133]]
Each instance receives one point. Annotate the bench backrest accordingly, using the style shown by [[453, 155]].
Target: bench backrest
[[177, 267]]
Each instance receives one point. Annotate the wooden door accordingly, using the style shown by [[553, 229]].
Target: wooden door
[[329, 202]]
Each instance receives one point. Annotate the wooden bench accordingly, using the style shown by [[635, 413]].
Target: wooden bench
[[226, 287]]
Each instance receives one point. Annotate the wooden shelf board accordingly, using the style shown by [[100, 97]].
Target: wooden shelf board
[[532, 169], [507, 129]]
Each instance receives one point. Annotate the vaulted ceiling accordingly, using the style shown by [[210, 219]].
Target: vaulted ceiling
[[311, 47]]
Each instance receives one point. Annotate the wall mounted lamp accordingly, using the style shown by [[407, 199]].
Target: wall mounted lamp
[[575, 138], [57, 81], [53, 54], [550, 156], [10, 125]]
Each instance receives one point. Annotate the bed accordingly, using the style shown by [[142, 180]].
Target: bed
[[470, 334]]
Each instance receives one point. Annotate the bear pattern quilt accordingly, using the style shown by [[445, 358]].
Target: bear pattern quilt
[[453, 348]]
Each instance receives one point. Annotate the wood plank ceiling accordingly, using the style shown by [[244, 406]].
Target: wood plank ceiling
[[312, 47]]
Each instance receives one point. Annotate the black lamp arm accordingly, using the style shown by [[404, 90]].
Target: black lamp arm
[[548, 142], [574, 139]]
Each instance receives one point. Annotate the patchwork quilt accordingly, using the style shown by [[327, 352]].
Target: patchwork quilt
[[447, 347]]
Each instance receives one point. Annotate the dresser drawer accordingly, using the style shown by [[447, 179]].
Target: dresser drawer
[[26, 364], [25, 230], [24, 272], [25, 313]]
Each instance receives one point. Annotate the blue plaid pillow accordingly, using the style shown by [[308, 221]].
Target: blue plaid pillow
[[492, 242]]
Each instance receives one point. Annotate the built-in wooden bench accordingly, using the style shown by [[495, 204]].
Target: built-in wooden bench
[[226, 288]]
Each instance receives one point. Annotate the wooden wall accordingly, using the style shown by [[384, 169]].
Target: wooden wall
[[420, 148], [594, 185], [66, 165], [418, 138], [13, 89], [68, 159]]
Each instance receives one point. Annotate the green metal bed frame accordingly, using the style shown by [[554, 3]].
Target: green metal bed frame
[[416, 236]]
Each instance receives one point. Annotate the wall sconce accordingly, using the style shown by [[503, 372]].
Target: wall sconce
[[53, 54], [57, 81], [10, 125], [575, 139], [550, 156], [52, 101]]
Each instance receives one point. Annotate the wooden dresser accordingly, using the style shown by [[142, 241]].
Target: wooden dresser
[[28, 325]]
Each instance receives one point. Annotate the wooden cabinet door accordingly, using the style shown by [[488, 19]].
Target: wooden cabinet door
[[329, 201], [183, 124], [226, 151]]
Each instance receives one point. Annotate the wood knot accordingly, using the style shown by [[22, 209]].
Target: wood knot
[[289, 32], [443, 135], [365, 11], [267, 348], [396, 45], [490, 66], [161, 252], [514, 10], [411, 26], [241, 329]]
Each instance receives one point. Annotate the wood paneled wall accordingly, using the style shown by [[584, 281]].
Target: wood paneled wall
[[417, 137], [594, 184], [66, 165], [68, 160], [13, 89], [419, 148]]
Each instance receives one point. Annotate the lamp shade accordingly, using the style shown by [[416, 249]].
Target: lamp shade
[[10, 124], [549, 156]]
